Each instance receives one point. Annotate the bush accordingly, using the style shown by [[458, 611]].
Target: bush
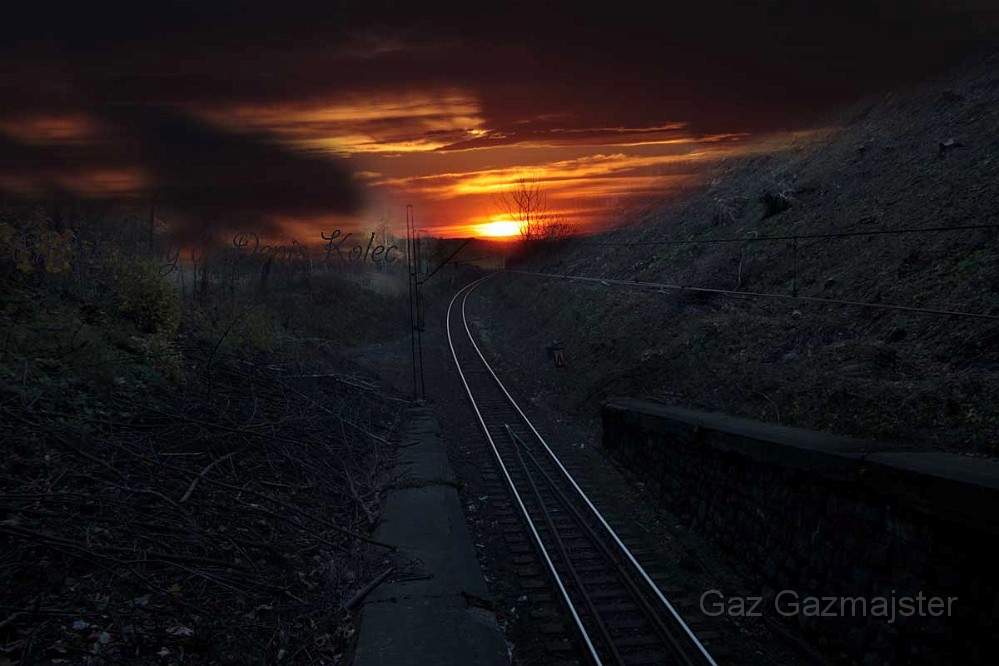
[[146, 298], [777, 195], [255, 330], [774, 203], [31, 246]]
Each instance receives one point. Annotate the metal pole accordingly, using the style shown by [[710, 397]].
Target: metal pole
[[152, 225], [419, 315], [410, 280], [794, 284], [417, 281]]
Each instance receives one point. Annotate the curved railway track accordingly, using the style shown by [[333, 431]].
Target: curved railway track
[[620, 615]]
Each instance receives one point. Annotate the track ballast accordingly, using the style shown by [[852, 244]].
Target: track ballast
[[620, 614]]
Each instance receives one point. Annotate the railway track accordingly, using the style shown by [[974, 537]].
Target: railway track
[[620, 615]]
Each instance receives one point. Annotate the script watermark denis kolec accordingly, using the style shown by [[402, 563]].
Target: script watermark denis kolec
[[335, 249], [791, 603]]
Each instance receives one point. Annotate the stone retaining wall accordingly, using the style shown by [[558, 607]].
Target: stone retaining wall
[[828, 516]]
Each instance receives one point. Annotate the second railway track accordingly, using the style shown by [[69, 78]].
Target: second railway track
[[620, 614]]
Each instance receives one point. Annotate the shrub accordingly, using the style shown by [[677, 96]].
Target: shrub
[[255, 330], [31, 246], [777, 196], [146, 298]]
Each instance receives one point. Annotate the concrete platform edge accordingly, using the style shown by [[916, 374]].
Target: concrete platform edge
[[435, 608]]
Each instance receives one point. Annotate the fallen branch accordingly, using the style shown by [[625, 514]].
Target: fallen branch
[[366, 590], [194, 482]]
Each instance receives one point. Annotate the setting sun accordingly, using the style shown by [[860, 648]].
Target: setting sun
[[498, 229]]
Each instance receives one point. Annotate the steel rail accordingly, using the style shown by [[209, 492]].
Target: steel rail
[[625, 551], [629, 583], [559, 542], [506, 474]]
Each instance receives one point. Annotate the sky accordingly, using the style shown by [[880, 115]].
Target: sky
[[288, 118]]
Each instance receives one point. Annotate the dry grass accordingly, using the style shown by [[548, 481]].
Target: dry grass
[[925, 381]]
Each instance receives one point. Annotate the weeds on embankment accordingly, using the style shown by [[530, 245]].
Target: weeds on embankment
[[188, 472]]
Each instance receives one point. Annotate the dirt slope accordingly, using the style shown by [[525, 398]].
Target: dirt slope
[[921, 157]]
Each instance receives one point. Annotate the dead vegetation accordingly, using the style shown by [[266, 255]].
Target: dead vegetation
[[918, 379], [527, 203], [183, 480], [224, 523]]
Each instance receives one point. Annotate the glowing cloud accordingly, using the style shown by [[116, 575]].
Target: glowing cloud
[[357, 123]]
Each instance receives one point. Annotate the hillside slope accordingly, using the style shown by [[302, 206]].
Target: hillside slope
[[916, 158]]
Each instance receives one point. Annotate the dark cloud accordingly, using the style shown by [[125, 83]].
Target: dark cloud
[[537, 70], [718, 63], [214, 178], [199, 167]]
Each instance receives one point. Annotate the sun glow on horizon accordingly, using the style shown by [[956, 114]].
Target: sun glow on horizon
[[498, 229]]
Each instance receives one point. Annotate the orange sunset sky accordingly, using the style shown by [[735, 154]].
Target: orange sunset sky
[[295, 117], [432, 149]]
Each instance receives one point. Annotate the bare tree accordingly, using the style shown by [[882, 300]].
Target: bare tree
[[526, 203]]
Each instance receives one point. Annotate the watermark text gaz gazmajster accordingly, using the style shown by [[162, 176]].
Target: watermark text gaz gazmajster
[[791, 603]]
